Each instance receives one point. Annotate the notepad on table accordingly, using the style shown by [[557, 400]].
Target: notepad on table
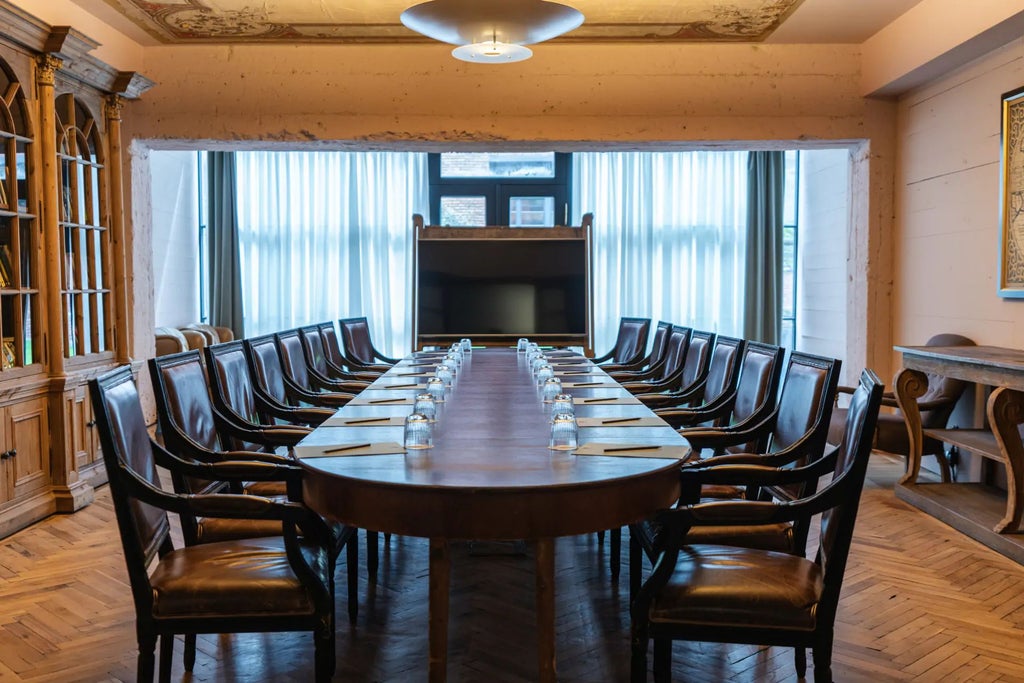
[[634, 450]]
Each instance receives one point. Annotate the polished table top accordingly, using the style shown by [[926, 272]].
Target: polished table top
[[490, 473]]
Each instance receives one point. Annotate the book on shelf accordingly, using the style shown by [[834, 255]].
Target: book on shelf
[[10, 357], [6, 271], [4, 204]]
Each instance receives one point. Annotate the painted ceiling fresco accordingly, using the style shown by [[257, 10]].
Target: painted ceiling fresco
[[219, 21]]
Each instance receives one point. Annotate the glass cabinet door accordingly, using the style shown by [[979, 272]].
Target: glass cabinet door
[[20, 338]]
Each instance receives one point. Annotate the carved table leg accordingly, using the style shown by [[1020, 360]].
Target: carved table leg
[[909, 385], [1005, 414], [440, 570]]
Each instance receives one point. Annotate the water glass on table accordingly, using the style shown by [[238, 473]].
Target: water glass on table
[[563, 404], [564, 433], [425, 406], [552, 387], [418, 432], [522, 344], [436, 388]]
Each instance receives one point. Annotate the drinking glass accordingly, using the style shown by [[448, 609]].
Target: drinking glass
[[425, 406], [538, 361], [522, 344], [454, 361], [417, 432], [436, 389], [564, 434], [467, 345], [552, 387], [544, 373], [444, 373], [563, 404]]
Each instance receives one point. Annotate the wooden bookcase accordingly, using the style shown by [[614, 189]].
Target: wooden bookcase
[[63, 318]]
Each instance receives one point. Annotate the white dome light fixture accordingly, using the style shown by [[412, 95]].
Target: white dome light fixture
[[491, 31]]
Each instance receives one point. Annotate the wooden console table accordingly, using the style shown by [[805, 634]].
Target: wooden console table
[[983, 512]]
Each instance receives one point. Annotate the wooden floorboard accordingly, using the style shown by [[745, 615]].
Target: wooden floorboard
[[921, 602]]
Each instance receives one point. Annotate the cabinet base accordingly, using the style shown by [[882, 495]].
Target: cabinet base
[[21, 514], [74, 497]]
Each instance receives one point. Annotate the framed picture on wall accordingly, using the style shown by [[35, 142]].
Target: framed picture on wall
[[1011, 232]]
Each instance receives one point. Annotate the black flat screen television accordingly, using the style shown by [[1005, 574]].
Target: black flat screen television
[[514, 287]]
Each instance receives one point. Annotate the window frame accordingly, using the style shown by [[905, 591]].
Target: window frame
[[499, 190]]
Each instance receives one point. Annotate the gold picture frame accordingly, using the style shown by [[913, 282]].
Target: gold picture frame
[[1011, 195]]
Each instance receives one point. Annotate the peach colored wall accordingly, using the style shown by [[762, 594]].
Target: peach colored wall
[[947, 206], [566, 97]]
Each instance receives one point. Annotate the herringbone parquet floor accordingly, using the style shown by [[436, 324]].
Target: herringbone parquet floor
[[920, 603]]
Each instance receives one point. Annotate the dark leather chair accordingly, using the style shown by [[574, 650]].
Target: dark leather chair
[[752, 401], [720, 381], [936, 405], [336, 356], [189, 426], [235, 396], [358, 348], [645, 367], [630, 342], [296, 366], [731, 594], [268, 370], [276, 583], [794, 434], [668, 376], [320, 364], [694, 368]]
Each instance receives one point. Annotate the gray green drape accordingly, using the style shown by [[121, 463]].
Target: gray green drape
[[762, 314], [222, 226]]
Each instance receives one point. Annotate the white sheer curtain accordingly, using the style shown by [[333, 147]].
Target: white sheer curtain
[[327, 235], [668, 237]]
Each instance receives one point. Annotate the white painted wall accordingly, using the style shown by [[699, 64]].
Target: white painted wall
[[824, 229], [175, 238]]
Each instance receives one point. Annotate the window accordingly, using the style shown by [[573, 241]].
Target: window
[[518, 189], [790, 235]]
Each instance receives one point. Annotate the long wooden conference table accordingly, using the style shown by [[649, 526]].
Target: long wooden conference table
[[490, 475]]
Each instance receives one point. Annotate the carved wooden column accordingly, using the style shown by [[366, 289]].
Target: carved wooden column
[[1005, 415], [910, 385], [119, 247]]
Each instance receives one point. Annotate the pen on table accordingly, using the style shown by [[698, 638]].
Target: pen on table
[[386, 400], [598, 400], [350, 447], [400, 386], [619, 419], [366, 420], [588, 384], [631, 448]]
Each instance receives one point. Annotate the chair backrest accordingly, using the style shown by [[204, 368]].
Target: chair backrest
[[631, 341], [332, 348], [293, 359], [265, 367], [675, 351], [313, 346], [170, 340], [757, 389], [944, 390], [659, 344], [231, 387], [698, 356], [128, 457], [806, 401], [844, 491], [183, 402], [355, 338], [724, 370]]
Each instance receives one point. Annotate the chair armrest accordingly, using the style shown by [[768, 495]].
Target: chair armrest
[[240, 506], [601, 359], [683, 417], [283, 435], [723, 437], [255, 456]]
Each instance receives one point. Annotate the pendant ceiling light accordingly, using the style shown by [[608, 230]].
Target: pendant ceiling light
[[491, 31]]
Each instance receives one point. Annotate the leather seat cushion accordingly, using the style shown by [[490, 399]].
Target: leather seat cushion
[[245, 577], [720, 491], [267, 489], [777, 537], [725, 586], [216, 529]]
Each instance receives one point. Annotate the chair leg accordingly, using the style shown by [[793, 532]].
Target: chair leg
[[147, 658], [822, 654], [352, 578], [387, 539], [166, 653], [190, 651], [615, 552], [600, 538], [323, 651], [638, 657], [371, 554], [662, 660], [636, 565], [801, 661]]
